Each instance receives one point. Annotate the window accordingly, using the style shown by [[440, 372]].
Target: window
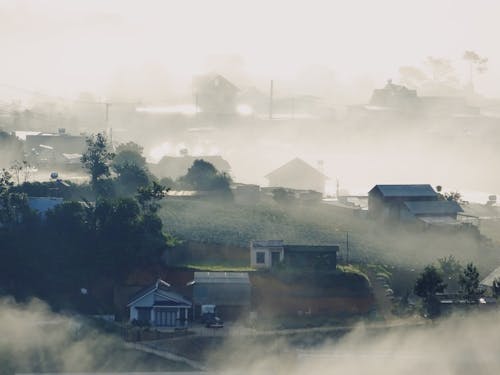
[[261, 257]]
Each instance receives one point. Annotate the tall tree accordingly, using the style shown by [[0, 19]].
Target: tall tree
[[97, 158], [469, 282], [428, 284]]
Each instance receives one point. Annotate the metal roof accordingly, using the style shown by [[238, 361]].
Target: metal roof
[[488, 280], [403, 191], [441, 207], [266, 243], [221, 277], [311, 248]]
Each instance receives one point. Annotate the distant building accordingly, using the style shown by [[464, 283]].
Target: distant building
[[387, 201], [215, 95], [42, 204], [267, 254], [399, 100], [229, 291], [159, 306], [298, 175], [60, 142]]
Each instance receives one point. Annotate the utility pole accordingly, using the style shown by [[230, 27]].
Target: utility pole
[[347, 247], [108, 129], [271, 101]]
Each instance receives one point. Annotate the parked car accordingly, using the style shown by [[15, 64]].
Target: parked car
[[214, 322]]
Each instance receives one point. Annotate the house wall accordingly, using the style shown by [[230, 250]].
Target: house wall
[[267, 256]]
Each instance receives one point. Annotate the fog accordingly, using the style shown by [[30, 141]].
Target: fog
[[33, 339], [457, 345]]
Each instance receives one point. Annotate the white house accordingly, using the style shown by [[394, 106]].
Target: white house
[[265, 254], [159, 306]]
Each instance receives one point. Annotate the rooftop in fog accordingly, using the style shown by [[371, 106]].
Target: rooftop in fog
[[394, 191]]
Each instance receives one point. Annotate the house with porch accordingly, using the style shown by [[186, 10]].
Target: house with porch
[[159, 306]]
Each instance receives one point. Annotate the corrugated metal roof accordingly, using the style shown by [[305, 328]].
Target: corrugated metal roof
[[441, 207], [311, 248], [221, 277], [402, 191]]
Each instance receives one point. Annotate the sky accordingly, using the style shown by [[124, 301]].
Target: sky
[[66, 47]]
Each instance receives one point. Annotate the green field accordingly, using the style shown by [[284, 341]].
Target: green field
[[228, 224]]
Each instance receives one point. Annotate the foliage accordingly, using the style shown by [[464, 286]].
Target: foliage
[[128, 157], [131, 177], [76, 245], [97, 158], [283, 196], [204, 176], [451, 270], [150, 195], [453, 196], [428, 284], [469, 282], [130, 146]]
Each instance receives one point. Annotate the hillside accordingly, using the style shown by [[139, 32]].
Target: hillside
[[213, 222]]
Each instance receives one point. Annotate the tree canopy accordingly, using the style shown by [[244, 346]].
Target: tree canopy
[[97, 158]]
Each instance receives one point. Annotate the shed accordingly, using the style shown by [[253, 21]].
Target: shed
[[488, 281], [229, 291]]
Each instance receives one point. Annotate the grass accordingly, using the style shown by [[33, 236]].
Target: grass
[[217, 268]]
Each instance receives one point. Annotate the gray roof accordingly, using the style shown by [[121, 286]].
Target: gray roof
[[311, 248], [43, 204], [441, 207], [488, 280], [221, 278], [403, 191], [266, 243], [296, 167]]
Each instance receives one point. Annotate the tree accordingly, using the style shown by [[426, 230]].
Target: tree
[[427, 285], [149, 196], [97, 158], [469, 282], [204, 176], [476, 63], [130, 146], [130, 178], [451, 270]]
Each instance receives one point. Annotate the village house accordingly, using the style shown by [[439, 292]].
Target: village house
[[413, 204], [159, 306], [269, 253], [298, 175], [387, 201], [229, 291], [215, 95]]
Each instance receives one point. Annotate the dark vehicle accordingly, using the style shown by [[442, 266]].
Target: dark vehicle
[[214, 322]]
